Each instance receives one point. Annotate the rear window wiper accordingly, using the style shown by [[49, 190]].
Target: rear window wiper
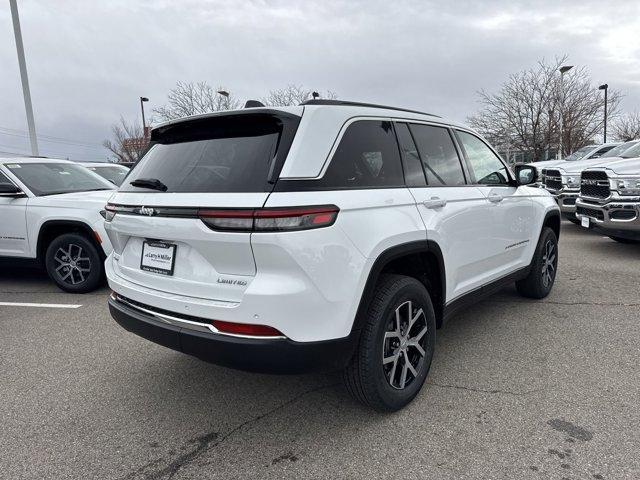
[[152, 183]]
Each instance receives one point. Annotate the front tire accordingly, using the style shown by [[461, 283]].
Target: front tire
[[544, 266], [74, 264], [396, 345]]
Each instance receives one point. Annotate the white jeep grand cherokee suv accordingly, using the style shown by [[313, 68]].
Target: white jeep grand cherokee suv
[[329, 235], [50, 214]]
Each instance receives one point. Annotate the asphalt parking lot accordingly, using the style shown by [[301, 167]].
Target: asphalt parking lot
[[518, 389]]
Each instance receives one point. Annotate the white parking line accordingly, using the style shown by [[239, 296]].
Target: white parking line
[[39, 305]]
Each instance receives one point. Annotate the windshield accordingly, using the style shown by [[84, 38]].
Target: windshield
[[632, 152], [619, 150], [53, 178], [222, 155], [578, 154], [114, 173]]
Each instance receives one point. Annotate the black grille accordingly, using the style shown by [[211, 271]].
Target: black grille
[[622, 214], [590, 212], [553, 180], [594, 184]]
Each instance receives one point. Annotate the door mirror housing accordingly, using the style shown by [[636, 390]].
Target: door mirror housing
[[526, 174], [10, 190]]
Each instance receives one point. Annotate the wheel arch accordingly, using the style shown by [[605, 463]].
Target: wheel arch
[[422, 260], [552, 220], [51, 229]]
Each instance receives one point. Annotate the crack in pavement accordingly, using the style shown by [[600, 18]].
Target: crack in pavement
[[480, 390], [209, 441]]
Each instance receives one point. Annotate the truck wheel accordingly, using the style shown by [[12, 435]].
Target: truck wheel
[[395, 347], [544, 266], [74, 264], [624, 240]]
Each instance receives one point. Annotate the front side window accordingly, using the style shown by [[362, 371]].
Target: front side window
[[485, 166], [367, 156], [438, 154], [54, 178]]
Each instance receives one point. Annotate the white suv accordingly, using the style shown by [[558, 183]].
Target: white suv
[[329, 235], [50, 214]]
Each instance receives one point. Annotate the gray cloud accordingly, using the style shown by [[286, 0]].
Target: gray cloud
[[90, 61]]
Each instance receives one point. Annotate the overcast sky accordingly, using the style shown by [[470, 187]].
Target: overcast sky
[[89, 61]]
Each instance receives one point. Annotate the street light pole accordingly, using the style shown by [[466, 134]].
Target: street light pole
[[144, 125], [24, 78], [564, 69], [605, 87]]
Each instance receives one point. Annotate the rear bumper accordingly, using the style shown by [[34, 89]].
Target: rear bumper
[[274, 355], [606, 218]]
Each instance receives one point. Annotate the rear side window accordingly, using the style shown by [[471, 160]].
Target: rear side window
[[220, 154], [486, 168], [438, 154], [413, 173], [602, 151], [367, 156]]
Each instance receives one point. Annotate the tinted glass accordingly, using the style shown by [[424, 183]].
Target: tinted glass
[[115, 174], [438, 154], [602, 151], [231, 154], [366, 157], [54, 178], [485, 166], [4, 179], [413, 173], [620, 149]]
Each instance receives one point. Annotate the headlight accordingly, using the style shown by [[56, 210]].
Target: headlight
[[627, 186], [571, 181]]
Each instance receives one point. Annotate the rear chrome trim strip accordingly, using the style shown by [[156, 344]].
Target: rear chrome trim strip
[[188, 324]]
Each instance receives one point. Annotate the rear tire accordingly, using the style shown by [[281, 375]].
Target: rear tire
[[395, 347], [544, 266], [74, 264], [627, 241]]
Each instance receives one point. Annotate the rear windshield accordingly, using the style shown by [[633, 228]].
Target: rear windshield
[[220, 154]]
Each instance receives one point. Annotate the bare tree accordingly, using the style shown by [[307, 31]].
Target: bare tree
[[129, 142], [527, 112], [188, 98], [627, 127], [292, 95]]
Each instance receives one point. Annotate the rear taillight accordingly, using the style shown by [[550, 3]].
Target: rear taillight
[[246, 329], [284, 219]]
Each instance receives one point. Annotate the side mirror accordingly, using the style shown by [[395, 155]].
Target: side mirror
[[526, 174], [10, 190]]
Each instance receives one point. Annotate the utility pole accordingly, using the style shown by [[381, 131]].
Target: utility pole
[[144, 124], [24, 78], [605, 87]]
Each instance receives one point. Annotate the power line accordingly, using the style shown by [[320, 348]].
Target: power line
[[47, 138]]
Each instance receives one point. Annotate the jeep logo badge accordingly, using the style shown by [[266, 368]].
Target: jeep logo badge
[[147, 211]]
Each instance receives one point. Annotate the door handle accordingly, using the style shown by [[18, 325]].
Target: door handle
[[435, 202], [495, 197]]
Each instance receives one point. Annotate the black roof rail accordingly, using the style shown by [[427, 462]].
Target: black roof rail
[[346, 103]]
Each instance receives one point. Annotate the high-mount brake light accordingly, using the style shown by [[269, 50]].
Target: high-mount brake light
[[282, 219]]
